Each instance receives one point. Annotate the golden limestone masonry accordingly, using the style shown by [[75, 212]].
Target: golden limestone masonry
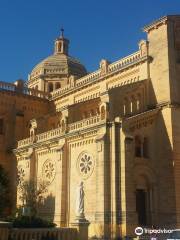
[[110, 138]]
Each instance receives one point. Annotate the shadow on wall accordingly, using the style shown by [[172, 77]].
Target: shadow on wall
[[47, 208], [162, 158]]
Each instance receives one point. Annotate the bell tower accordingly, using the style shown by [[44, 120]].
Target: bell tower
[[61, 44]]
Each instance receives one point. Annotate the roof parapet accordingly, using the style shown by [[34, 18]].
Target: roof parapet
[[155, 24], [159, 22]]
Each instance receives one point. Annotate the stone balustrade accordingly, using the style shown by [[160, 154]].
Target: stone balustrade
[[49, 135], [4, 230], [43, 234], [7, 86], [35, 93], [27, 91], [60, 91], [25, 142], [124, 62], [85, 123], [88, 78]]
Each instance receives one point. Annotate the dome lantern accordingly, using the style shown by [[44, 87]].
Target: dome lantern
[[61, 44], [57, 70]]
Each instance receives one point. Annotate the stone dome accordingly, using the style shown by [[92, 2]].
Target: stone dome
[[59, 64]]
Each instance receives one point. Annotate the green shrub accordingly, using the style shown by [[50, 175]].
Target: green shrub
[[4, 193], [31, 222]]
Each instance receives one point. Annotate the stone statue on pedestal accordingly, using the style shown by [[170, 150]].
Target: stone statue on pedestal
[[80, 201]]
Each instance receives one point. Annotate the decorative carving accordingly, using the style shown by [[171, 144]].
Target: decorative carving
[[85, 165], [20, 175], [143, 47], [104, 110], [104, 66], [48, 171]]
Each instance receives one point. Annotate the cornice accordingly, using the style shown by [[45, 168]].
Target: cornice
[[155, 24]]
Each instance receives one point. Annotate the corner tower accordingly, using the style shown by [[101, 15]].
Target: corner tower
[[57, 70], [164, 48], [164, 94]]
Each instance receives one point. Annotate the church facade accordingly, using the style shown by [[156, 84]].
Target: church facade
[[116, 130]]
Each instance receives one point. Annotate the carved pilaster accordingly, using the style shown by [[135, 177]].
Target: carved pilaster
[[64, 120], [104, 106], [33, 129], [143, 47], [102, 216], [128, 207], [104, 67], [60, 198]]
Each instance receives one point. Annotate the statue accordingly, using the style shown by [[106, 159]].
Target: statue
[[80, 201]]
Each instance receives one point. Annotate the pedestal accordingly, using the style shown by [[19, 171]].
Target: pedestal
[[4, 230], [82, 226]]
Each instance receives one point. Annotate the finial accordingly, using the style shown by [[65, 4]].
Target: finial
[[62, 32]]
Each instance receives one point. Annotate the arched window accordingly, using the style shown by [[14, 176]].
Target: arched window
[[133, 105], [92, 112], [58, 85], [50, 87], [138, 102], [126, 107], [138, 152], [36, 87]]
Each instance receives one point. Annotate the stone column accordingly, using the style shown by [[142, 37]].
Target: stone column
[[115, 179], [59, 216], [102, 216], [128, 200]]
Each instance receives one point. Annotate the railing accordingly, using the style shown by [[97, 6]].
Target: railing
[[61, 90], [7, 86], [49, 135], [90, 77], [4, 230], [92, 121], [25, 142], [35, 93], [84, 123], [43, 234], [124, 62], [28, 91]]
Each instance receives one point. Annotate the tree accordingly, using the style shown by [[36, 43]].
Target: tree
[[4, 191], [32, 194]]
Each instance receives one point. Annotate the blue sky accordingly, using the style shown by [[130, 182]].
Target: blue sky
[[96, 29]]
